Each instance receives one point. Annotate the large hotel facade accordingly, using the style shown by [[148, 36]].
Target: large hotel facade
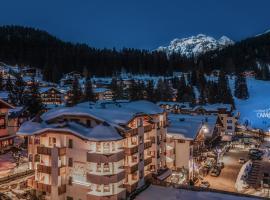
[[96, 151]]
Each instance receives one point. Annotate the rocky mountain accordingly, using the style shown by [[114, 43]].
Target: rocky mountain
[[195, 45]]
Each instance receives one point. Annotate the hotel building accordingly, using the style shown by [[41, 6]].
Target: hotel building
[[95, 151]]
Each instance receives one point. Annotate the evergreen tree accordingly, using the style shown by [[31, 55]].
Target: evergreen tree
[[150, 91], [88, 90], [240, 87], [1, 82], [224, 91], [34, 103], [76, 93], [9, 85], [19, 90], [117, 89]]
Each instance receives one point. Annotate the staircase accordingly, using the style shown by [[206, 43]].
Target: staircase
[[254, 175]]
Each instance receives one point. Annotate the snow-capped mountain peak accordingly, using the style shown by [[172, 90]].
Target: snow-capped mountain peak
[[195, 45]]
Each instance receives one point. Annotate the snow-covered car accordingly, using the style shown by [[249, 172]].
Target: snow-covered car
[[205, 184]]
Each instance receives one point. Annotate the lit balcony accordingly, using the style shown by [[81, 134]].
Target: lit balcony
[[101, 158], [131, 150], [147, 144], [39, 186], [105, 179], [131, 186], [44, 169], [147, 161], [148, 128], [131, 169]]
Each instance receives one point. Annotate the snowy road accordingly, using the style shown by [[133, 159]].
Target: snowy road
[[226, 180]]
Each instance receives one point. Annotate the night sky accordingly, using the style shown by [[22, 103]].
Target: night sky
[[138, 23]]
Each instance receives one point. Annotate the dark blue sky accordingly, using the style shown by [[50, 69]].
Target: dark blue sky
[[138, 23]]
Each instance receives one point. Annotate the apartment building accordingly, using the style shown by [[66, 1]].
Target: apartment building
[[226, 116], [7, 133], [51, 96], [186, 136], [95, 151]]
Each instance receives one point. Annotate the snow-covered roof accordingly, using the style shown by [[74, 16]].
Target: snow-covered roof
[[117, 113], [100, 90], [110, 116], [45, 89], [188, 126], [101, 132]]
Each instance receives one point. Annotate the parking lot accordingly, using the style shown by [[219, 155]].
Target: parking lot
[[226, 179]]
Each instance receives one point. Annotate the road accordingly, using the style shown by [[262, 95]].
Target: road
[[226, 180]]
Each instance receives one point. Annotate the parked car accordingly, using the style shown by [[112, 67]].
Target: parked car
[[242, 160], [205, 184]]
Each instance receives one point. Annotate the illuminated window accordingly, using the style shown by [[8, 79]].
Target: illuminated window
[[113, 146], [98, 188], [106, 188], [106, 147], [106, 167], [98, 147], [98, 167]]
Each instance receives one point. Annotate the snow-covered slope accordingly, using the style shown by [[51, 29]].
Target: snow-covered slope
[[195, 45], [256, 109]]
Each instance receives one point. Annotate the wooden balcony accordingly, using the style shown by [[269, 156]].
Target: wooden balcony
[[39, 186], [61, 170], [121, 195], [62, 151], [105, 179], [132, 132], [131, 169], [62, 189], [44, 169], [101, 158], [48, 151], [148, 177], [44, 150], [131, 150], [148, 128], [153, 139], [147, 144], [131, 187], [147, 161]]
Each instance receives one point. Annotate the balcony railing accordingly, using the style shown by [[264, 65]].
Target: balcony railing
[[48, 150], [62, 189], [44, 150], [131, 169], [132, 132], [101, 158], [131, 187], [148, 128], [44, 169], [147, 144], [62, 151], [39, 186], [153, 139], [131, 150], [105, 179], [147, 161]]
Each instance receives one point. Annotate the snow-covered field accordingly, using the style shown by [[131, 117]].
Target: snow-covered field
[[168, 193], [255, 108]]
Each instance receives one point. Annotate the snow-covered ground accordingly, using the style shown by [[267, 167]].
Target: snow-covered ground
[[169, 193], [255, 108]]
